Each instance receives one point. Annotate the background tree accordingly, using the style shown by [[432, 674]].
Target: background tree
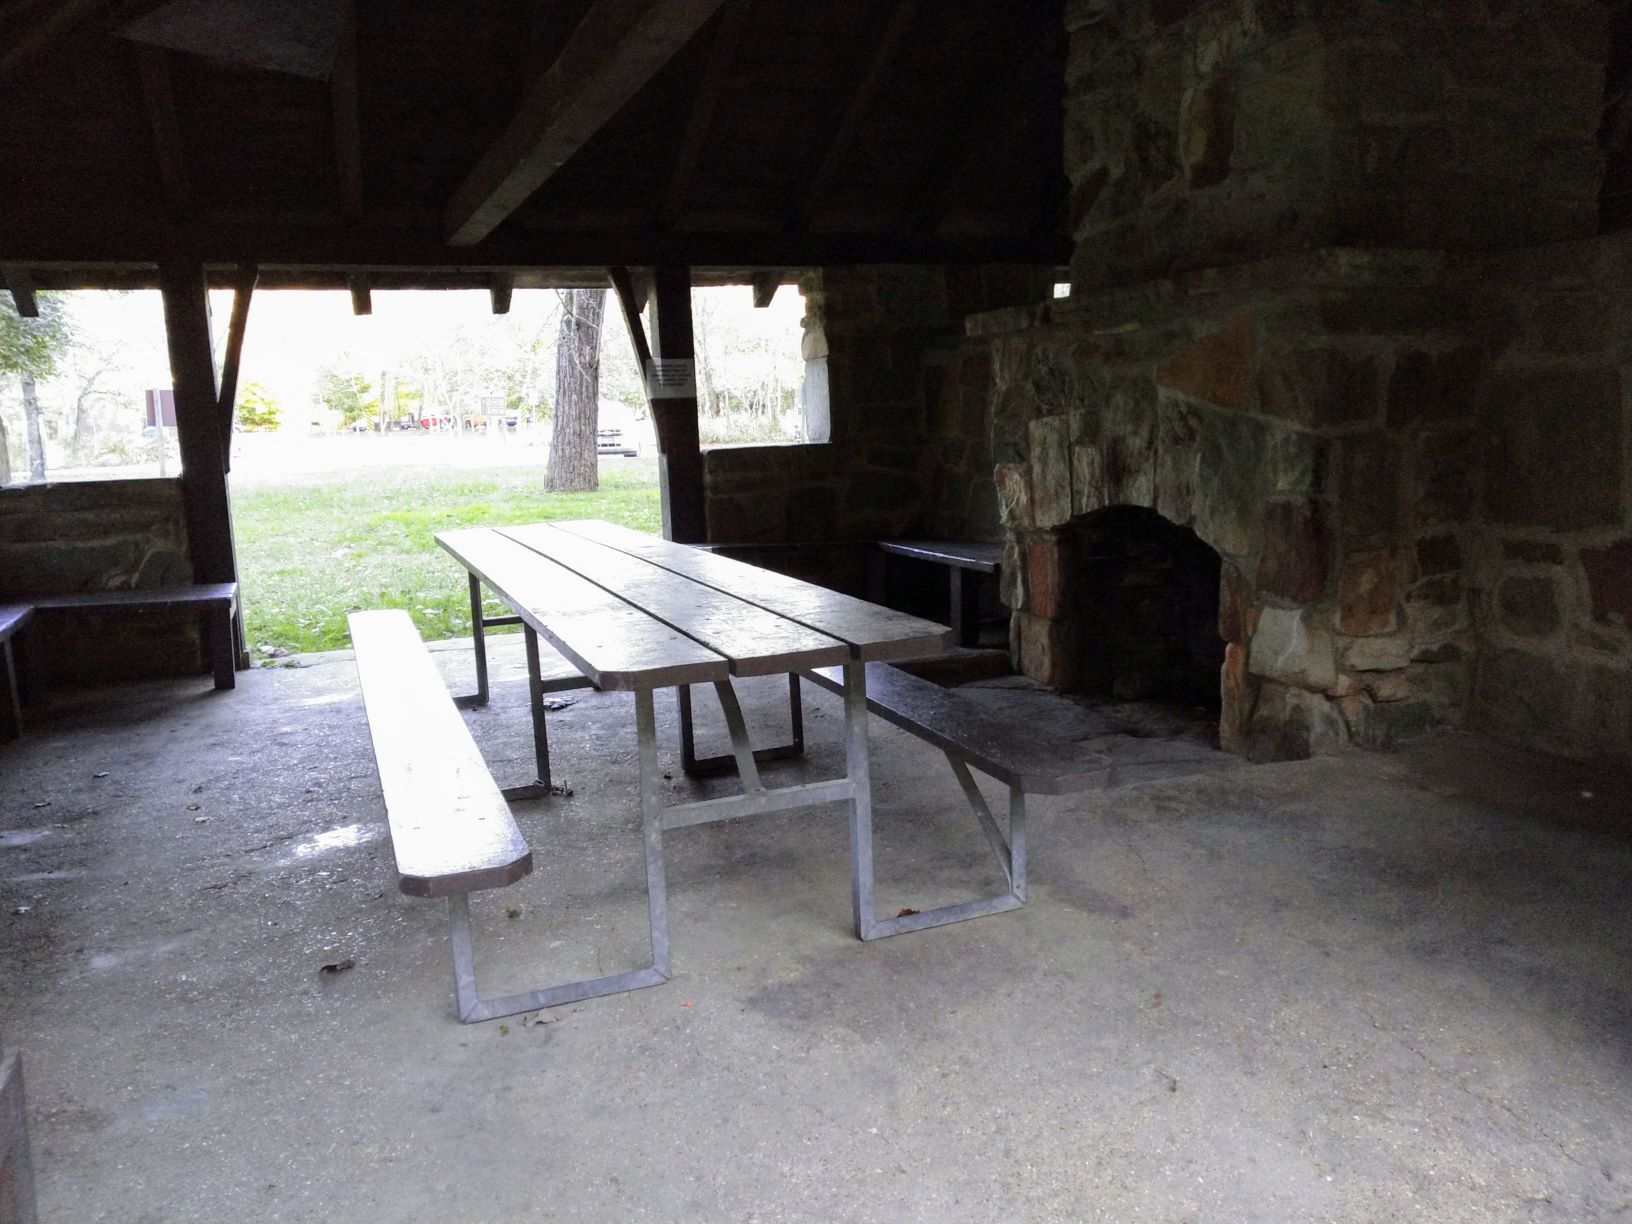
[[30, 349], [572, 466], [258, 408], [346, 393]]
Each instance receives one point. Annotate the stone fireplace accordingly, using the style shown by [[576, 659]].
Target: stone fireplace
[[1137, 597]]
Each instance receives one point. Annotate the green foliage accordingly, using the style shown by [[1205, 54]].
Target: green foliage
[[349, 394], [34, 346], [258, 408], [314, 548]]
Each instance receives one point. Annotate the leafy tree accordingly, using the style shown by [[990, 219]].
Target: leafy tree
[[258, 408], [30, 349], [349, 395]]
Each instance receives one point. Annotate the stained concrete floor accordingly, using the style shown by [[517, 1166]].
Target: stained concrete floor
[[1371, 987]]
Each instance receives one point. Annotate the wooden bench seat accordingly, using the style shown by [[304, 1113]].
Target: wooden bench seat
[[1023, 759], [215, 602], [451, 829], [452, 832]]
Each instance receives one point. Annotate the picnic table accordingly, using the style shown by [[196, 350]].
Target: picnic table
[[634, 613]]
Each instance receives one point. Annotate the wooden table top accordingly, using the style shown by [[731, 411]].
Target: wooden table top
[[634, 611]]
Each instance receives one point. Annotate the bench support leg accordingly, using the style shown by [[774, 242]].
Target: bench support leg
[[540, 787], [709, 767], [219, 632], [478, 641], [1011, 856], [473, 1008], [11, 700]]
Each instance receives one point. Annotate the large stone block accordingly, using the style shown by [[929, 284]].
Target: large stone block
[[1216, 368], [1237, 692], [1609, 578], [1526, 697], [1047, 649], [1290, 724], [1609, 711], [1051, 470], [1230, 482], [1528, 605], [1013, 495], [1448, 472], [1369, 486], [1557, 449], [1287, 648], [1321, 387], [1368, 594], [1047, 575], [1429, 386], [1297, 554]]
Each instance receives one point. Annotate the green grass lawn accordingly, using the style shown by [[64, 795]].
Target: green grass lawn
[[318, 547]]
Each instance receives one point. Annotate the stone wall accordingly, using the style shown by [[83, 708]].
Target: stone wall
[[1201, 132], [95, 536], [908, 450], [1417, 469]]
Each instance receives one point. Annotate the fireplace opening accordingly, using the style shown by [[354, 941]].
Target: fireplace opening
[[1144, 610]]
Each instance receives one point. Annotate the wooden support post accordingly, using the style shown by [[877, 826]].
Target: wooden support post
[[21, 283], [765, 286], [499, 292], [680, 456], [243, 288], [198, 426]]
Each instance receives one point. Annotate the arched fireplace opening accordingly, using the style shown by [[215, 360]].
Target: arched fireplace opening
[[1144, 612]]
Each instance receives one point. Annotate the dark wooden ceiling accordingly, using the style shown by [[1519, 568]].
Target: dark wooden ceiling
[[778, 133]]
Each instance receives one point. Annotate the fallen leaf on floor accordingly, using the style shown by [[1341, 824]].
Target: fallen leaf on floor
[[199, 789], [559, 703], [192, 807], [103, 774], [23, 909], [1156, 999], [512, 912], [906, 912], [338, 966], [535, 1019], [43, 803], [561, 790], [201, 820], [688, 1003], [504, 1030]]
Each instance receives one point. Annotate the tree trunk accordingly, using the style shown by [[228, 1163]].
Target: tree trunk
[[36, 443], [5, 456], [572, 465]]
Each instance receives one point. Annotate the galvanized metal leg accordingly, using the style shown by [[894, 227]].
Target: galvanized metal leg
[[11, 703], [740, 747], [472, 1007], [1011, 856], [16, 1167], [539, 787], [709, 767], [478, 639], [858, 769]]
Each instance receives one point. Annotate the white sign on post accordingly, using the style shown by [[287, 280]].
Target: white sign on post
[[671, 378]]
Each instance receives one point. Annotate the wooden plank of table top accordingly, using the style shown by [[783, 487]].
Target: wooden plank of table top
[[612, 642], [755, 641], [871, 632], [964, 554], [451, 830]]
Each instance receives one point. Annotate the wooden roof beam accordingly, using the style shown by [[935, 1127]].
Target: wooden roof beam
[[348, 139], [861, 100], [765, 286], [160, 100], [43, 28], [21, 284], [722, 53], [617, 48]]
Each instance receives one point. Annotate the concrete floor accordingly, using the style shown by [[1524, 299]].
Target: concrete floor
[[1372, 987]]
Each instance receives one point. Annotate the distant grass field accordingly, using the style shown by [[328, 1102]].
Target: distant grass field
[[318, 547]]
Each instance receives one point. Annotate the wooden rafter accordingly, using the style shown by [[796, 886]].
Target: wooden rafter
[[362, 297], [43, 25], [20, 282], [722, 53], [243, 288], [617, 48], [990, 113], [861, 100], [765, 286], [632, 303], [160, 100], [348, 139]]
